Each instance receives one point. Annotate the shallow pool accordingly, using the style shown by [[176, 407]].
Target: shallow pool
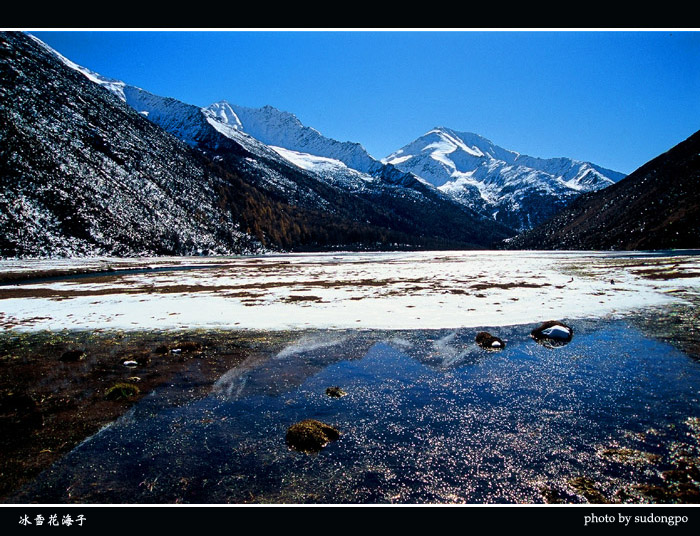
[[429, 417]]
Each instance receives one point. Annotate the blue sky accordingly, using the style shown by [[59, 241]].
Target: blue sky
[[615, 98]]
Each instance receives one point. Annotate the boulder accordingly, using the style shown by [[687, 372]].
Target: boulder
[[136, 360], [553, 333], [310, 435], [489, 342]]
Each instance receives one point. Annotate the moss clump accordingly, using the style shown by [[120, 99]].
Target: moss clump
[[627, 455], [189, 346], [669, 494], [552, 495], [179, 347], [587, 488], [310, 435], [122, 391], [335, 392], [71, 356], [17, 408]]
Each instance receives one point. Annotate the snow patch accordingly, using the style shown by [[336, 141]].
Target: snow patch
[[557, 332]]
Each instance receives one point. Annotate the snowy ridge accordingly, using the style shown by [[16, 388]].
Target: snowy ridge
[[193, 124], [180, 119], [275, 128], [221, 112], [115, 86], [171, 114], [333, 171], [346, 165], [517, 189], [324, 159], [283, 129], [265, 126], [185, 121]]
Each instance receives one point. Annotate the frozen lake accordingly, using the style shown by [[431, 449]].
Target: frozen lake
[[428, 416], [424, 290]]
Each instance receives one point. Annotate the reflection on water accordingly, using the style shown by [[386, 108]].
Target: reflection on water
[[428, 417]]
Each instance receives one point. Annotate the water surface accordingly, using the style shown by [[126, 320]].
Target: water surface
[[429, 418]]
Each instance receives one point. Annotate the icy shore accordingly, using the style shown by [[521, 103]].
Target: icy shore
[[414, 290]]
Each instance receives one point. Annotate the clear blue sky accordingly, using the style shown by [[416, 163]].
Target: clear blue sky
[[615, 98]]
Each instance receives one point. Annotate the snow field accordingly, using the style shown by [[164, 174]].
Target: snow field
[[416, 290]]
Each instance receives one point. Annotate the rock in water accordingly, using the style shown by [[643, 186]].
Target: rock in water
[[488, 341], [553, 333], [310, 435], [557, 332], [335, 392]]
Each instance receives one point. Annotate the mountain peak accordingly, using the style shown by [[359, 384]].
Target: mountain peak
[[444, 145], [516, 189], [223, 112], [463, 135]]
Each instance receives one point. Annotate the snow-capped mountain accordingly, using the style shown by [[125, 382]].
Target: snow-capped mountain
[[517, 190], [334, 162], [210, 129], [346, 165], [267, 131], [92, 165]]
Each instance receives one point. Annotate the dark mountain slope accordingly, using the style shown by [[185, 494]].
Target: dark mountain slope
[[655, 207], [81, 173]]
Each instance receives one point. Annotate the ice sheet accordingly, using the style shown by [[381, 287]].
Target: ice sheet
[[413, 290]]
